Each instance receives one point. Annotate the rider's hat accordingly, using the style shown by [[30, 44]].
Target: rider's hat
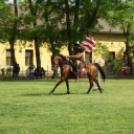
[[77, 44]]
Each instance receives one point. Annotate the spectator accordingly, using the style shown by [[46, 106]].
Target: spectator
[[27, 72], [39, 71], [43, 72], [35, 73], [16, 70], [31, 73]]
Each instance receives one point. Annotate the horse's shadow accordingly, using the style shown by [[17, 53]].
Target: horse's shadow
[[47, 94]]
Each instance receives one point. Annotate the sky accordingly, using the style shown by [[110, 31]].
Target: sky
[[10, 1]]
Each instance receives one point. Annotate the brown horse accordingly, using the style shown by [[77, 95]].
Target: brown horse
[[66, 73]]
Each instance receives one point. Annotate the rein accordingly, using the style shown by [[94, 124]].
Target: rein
[[61, 67]]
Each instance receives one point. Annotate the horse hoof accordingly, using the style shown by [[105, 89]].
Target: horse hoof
[[102, 90], [86, 93], [50, 93], [67, 93]]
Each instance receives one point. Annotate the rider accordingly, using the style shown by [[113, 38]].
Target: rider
[[78, 56]]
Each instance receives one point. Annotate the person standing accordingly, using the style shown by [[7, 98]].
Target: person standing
[[16, 70], [43, 72]]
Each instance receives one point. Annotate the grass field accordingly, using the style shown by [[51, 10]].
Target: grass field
[[26, 107]]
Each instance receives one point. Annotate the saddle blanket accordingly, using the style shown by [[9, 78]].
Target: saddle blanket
[[81, 74]]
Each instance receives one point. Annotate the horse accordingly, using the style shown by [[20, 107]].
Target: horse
[[67, 73]]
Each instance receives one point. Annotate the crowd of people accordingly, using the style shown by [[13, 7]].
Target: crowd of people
[[31, 72], [36, 73]]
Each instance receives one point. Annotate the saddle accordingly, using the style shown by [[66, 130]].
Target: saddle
[[81, 68]]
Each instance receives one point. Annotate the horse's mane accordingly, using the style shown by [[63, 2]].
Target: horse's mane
[[63, 58]]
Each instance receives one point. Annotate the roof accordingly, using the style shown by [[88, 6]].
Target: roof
[[107, 28], [103, 23]]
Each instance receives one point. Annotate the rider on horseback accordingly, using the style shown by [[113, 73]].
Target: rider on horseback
[[77, 57]]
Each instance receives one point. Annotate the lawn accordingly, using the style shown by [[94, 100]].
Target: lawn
[[26, 107]]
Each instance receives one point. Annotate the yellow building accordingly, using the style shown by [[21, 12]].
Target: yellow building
[[25, 56]]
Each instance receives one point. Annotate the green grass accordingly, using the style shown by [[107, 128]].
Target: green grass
[[26, 107]]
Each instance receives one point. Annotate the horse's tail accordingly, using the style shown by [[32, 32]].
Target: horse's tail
[[101, 70]]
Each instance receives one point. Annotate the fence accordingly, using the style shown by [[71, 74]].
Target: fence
[[22, 74], [6, 73]]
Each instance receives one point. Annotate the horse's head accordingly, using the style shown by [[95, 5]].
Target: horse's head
[[54, 61]]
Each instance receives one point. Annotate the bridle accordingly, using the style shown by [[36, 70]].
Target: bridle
[[53, 63], [56, 65]]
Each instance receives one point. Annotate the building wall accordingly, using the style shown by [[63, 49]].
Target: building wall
[[20, 50], [114, 42]]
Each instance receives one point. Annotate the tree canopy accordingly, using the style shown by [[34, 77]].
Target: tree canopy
[[63, 22]]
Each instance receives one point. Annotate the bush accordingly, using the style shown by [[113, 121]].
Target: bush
[[9, 70]]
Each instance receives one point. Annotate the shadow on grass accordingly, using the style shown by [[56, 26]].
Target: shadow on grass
[[47, 94], [37, 80]]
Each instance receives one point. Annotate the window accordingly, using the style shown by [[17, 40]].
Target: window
[[28, 57], [125, 57], [112, 55], [8, 58]]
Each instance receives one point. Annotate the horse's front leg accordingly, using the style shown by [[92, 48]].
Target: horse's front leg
[[68, 92], [56, 86]]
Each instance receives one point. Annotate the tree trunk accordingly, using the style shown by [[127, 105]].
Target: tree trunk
[[129, 58], [37, 47], [14, 33], [76, 16], [92, 17], [38, 61], [13, 52], [68, 28]]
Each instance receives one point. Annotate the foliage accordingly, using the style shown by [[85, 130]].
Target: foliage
[[46, 24], [9, 69], [121, 15], [102, 49], [115, 65], [2, 69], [4, 11]]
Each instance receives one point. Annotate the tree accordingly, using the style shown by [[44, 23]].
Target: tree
[[9, 23], [68, 26], [121, 15], [81, 16], [13, 33], [4, 9]]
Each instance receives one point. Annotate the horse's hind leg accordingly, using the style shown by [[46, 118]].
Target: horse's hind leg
[[91, 83], [56, 86], [68, 92], [96, 81]]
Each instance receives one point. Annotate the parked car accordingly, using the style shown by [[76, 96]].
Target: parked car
[[124, 71]]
